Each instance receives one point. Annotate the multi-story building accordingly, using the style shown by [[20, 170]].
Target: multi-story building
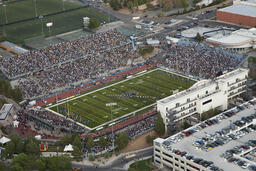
[[243, 12], [203, 96], [225, 142]]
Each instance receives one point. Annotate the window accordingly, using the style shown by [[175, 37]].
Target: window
[[167, 109], [167, 154], [206, 102], [188, 100], [167, 160], [157, 155], [206, 92], [157, 161], [157, 144], [157, 150], [177, 104], [176, 159]]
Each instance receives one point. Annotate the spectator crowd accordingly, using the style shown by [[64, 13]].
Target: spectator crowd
[[49, 120], [89, 68], [197, 59], [37, 60]]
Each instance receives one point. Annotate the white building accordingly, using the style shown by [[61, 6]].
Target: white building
[[199, 151], [239, 40], [245, 2], [203, 96]]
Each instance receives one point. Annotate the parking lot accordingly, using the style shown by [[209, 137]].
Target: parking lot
[[214, 138]]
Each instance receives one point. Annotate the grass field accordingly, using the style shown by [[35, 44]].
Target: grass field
[[25, 9], [130, 95], [64, 22], [143, 165]]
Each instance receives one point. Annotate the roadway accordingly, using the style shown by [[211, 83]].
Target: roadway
[[117, 164]]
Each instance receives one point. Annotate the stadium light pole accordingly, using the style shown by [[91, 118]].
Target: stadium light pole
[[42, 26], [113, 139], [63, 5], [35, 8], [6, 21]]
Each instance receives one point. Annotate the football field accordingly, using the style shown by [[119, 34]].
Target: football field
[[131, 95]]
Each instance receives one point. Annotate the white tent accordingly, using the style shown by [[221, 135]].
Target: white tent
[[15, 124], [4, 140], [38, 137], [68, 148]]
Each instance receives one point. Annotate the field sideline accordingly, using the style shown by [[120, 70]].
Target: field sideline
[[131, 95]]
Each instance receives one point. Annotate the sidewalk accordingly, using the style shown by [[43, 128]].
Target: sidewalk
[[85, 162]]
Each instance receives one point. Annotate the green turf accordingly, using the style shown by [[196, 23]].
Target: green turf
[[63, 22], [25, 9], [91, 111], [143, 165]]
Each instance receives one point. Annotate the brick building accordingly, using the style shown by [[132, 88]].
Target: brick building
[[241, 14]]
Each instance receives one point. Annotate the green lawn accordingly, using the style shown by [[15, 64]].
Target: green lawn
[[129, 95], [25, 9], [63, 22], [143, 165]]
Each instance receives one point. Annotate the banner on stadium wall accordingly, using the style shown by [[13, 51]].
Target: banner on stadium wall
[[43, 147]]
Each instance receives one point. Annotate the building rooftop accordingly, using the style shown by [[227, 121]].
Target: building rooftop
[[200, 85], [5, 111], [215, 153], [241, 9]]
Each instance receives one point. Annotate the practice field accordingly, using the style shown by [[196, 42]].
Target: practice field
[[24, 9], [131, 95], [62, 22]]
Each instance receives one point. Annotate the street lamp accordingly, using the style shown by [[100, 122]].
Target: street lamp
[[63, 5], [42, 26], [6, 21], [35, 8], [113, 139]]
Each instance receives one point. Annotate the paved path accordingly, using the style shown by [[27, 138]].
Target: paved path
[[117, 163]]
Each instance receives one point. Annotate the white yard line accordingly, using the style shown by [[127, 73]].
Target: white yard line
[[131, 113], [68, 118], [65, 101]]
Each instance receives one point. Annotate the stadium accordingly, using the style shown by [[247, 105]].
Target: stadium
[[69, 84], [134, 94]]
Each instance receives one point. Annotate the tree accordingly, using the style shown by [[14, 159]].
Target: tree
[[186, 125], [90, 143], [9, 149], [2, 166], [62, 163], [159, 125], [22, 161], [102, 142], [91, 157], [77, 142], [198, 38], [94, 23], [149, 139], [77, 153], [115, 4], [41, 164], [32, 148], [122, 140], [17, 142], [16, 167], [66, 139]]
